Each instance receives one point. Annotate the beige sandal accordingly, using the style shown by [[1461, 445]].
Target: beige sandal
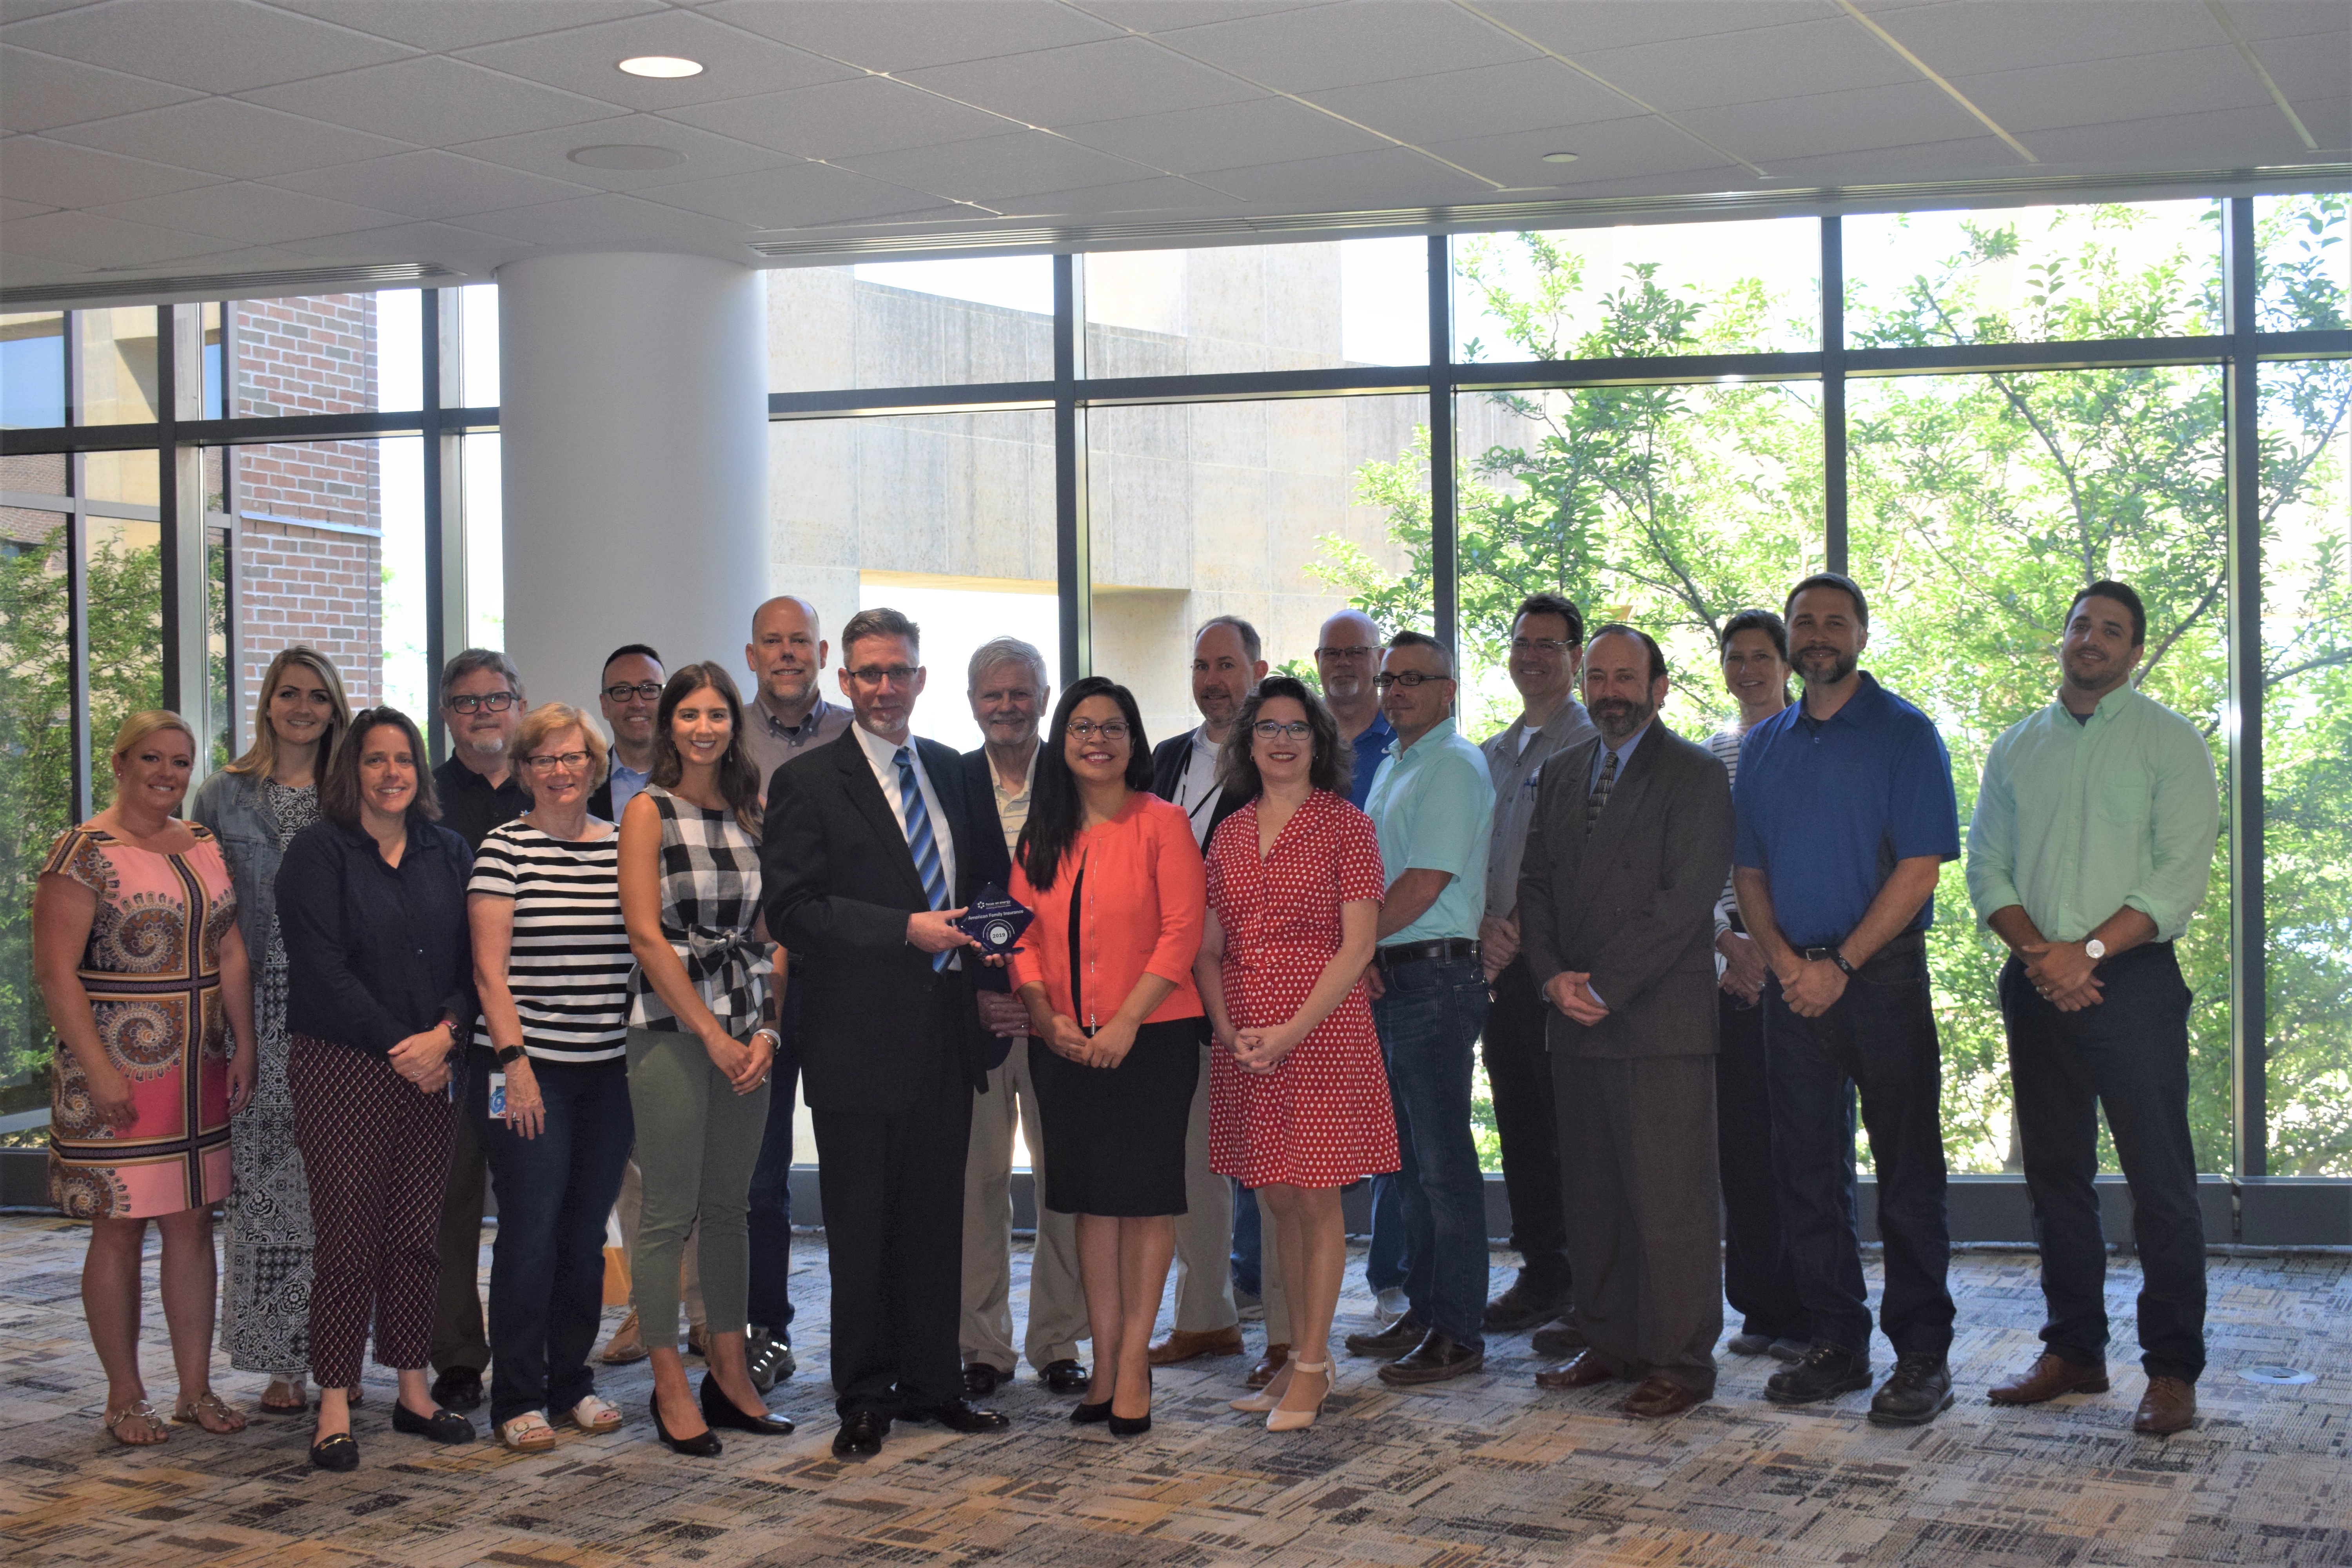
[[138, 1410], [528, 1432], [592, 1415], [191, 1413]]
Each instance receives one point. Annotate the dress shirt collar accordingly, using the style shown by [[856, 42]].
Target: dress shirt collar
[[1623, 749], [1441, 730], [883, 753], [783, 731]]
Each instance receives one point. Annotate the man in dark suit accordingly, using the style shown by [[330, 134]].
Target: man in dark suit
[[1625, 858], [870, 852]]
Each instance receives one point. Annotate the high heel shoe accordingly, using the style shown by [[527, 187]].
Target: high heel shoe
[[1084, 1413], [1133, 1425], [705, 1445], [718, 1410], [1281, 1420], [1265, 1398]]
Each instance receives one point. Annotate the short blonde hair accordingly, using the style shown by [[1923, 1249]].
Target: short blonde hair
[[140, 725], [546, 720]]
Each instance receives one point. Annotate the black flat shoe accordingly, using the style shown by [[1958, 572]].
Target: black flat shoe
[[441, 1426], [860, 1437], [704, 1446], [1063, 1376], [1085, 1413], [335, 1451], [721, 1411]]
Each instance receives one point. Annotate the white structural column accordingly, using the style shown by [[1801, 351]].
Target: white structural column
[[634, 412]]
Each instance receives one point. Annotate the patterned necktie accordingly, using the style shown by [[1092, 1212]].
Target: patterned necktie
[[920, 841], [1600, 788]]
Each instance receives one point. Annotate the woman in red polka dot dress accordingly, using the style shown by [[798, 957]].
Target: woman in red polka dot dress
[[1298, 1102]]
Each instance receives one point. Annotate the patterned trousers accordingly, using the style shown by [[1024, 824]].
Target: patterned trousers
[[376, 1153]]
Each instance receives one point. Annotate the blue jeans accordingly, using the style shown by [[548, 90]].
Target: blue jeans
[[1385, 1263], [547, 1268], [770, 1219], [1878, 1039], [1429, 1019], [2130, 1056], [1245, 1241]]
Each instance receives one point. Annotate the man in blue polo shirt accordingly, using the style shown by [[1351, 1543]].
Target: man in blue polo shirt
[[1846, 816]]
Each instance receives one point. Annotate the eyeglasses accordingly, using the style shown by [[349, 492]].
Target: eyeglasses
[[1109, 729], [570, 761], [1268, 729], [1408, 678], [1540, 645], [1360, 651], [875, 674], [649, 689], [488, 702]]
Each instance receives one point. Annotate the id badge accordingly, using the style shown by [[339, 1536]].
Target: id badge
[[497, 1096]]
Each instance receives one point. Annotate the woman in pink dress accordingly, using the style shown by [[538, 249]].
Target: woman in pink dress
[[1298, 1102], [136, 947]]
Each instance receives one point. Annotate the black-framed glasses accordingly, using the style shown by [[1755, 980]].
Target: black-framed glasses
[[1540, 645], [875, 674], [487, 703], [650, 691], [1408, 678], [1109, 729], [1362, 650], [1274, 729], [571, 761]]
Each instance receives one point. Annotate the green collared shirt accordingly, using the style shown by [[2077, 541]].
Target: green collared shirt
[[1433, 804], [2078, 819]]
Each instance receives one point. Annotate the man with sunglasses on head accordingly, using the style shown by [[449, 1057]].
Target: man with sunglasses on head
[[629, 696]]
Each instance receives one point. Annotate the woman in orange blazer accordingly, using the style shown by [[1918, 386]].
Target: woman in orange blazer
[[1120, 893]]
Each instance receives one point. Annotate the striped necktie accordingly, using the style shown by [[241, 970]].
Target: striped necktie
[[1600, 788], [920, 841]]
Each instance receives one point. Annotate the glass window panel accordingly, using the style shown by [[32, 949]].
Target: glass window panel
[[2033, 274], [477, 361], [1980, 504], [35, 473], [910, 323], [215, 362], [2308, 763], [1258, 308], [130, 478], [124, 561], [32, 369], [325, 353], [220, 739], [486, 566], [1639, 291], [116, 380], [2306, 261], [36, 799]]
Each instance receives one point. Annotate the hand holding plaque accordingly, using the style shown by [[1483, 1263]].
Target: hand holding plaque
[[994, 921]]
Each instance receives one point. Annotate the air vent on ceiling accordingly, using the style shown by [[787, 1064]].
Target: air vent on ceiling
[[231, 285]]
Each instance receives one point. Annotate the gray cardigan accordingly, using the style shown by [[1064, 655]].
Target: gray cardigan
[[233, 807]]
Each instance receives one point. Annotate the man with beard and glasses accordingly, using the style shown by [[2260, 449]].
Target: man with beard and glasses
[[2092, 846], [1626, 850], [1846, 816]]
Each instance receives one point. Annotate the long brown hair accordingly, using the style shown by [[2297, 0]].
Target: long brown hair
[[738, 781], [260, 759]]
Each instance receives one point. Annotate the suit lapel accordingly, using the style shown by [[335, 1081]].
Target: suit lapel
[[866, 793], [1625, 800]]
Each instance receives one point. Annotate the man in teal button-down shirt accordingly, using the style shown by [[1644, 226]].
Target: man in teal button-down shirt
[[2091, 846]]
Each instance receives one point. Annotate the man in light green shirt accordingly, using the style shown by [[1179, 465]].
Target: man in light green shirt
[[2091, 846]]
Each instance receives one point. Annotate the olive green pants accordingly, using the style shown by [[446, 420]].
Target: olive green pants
[[698, 1141]]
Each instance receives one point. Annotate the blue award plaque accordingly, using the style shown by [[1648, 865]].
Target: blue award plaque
[[994, 921]]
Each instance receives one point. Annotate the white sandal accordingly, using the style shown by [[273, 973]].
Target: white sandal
[[528, 1432], [592, 1415]]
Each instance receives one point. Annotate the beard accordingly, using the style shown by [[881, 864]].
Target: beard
[[1841, 666], [1618, 717]]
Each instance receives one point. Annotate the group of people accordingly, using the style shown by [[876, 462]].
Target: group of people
[[345, 986]]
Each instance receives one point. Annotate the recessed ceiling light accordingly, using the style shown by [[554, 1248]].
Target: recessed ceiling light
[[1559, 157], [661, 66], [626, 155]]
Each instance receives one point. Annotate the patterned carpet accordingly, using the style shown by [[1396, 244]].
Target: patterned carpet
[[1483, 1471]]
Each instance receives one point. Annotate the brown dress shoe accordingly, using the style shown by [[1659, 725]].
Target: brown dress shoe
[[2169, 1406], [1189, 1344], [2049, 1377], [1585, 1371], [1656, 1399], [626, 1345], [1267, 1366]]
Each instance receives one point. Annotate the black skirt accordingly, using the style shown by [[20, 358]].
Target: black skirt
[[1115, 1136]]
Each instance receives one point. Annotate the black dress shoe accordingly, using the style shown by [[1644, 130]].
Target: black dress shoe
[[1063, 1376], [960, 1416], [1522, 1307], [1434, 1360], [1826, 1371], [1392, 1342], [1919, 1389], [704, 1444], [459, 1388], [441, 1426], [720, 1411], [981, 1380], [861, 1434], [336, 1451]]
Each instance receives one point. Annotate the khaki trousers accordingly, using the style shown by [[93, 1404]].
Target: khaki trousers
[[1205, 1231], [1057, 1303]]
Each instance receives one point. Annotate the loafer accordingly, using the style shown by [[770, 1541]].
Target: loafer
[[1825, 1372], [1522, 1307], [459, 1388], [1558, 1339], [1919, 1390], [1434, 1360], [2169, 1406], [1191, 1345], [861, 1434], [1657, 1398], [1267, 1366], [960, 1416], [1405, 1334], [981, 1380], [1585, 1371], [769, 1359], [335, 1451], [441, 1426], [1065, 1376], [627, 1344], [2049, 1376], [718, 1410]]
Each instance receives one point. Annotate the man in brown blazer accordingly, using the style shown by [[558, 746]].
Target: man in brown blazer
[[1627, 852]]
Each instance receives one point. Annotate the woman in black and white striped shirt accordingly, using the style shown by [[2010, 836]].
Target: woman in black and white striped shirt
[[552, 962]]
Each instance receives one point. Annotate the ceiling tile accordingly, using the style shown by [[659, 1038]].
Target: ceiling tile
[[250, 213], [1167, 15], [865, 114], [224, 136], [546, 152], [11, 209], [1088, 81], [36, 169], [1526, 95], [1606, 149], [2088, 93], [609, 217], [24, 271], [41, 92], [2223, 137], [2315, 67], [907, 35], [1230, 136], [1161, 193], [1970, 37], [2285, 18], [1390, 177], [430, 185], [790, 197], [212, 45], [1897, 116], [1744, 68], [103, 242], [1594, 25], [444, 26], [2329, 119], [434, 99], [1022, 164], [438, 242], [1341, 45], [735, 63], [1967, 156], [24, 10]]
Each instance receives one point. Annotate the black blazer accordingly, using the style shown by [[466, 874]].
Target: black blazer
[[1168, 760], [837, 885], [1632, 902]]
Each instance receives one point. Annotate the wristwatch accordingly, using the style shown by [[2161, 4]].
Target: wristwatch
[[2094, 950], [509, 1054]]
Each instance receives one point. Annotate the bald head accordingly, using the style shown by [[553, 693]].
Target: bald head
[[786, 653]]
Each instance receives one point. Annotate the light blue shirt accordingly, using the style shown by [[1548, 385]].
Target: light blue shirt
[[1433, 806], [626, 782], [1624, 750]]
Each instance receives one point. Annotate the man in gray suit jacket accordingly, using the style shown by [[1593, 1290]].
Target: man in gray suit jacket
[[1625, 858]]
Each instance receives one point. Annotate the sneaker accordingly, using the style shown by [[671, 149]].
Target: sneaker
[[769, 1359], [1388, 1305], [1826, 1371], [1916, 1393], [1403, 1335]]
